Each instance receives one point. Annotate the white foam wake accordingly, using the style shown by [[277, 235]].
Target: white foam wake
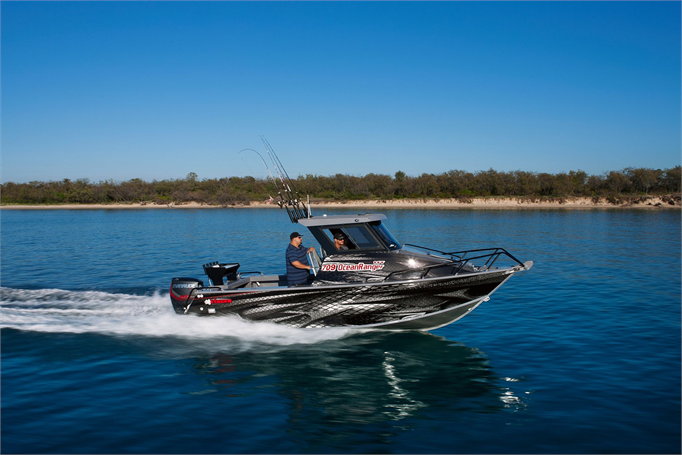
[[60, 311]]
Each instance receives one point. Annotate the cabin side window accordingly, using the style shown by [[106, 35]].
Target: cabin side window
[[356, 238], [361, 237], [331, 232]]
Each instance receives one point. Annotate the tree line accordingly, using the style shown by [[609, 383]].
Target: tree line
[[342, 187]]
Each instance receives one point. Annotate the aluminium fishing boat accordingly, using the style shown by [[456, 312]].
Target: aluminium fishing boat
[[377, 282]]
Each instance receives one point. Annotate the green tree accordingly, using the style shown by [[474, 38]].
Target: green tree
[[617, 181]]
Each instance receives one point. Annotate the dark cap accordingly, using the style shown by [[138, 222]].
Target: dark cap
[[339, 236], [294, 235]]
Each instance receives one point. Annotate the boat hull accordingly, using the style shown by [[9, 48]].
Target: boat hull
[[405, 305]]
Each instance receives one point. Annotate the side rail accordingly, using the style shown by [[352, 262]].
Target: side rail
[[417, 274], [494, 253], [462, 259]]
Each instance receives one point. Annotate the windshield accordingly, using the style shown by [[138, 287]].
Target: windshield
[[385, 235]]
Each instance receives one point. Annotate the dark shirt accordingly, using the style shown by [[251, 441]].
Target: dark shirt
[[297, 276]]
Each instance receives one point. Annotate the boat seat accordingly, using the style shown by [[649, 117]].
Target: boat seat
[[217, 271]]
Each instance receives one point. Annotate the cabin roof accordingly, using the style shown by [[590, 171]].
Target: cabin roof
[[325, 220]]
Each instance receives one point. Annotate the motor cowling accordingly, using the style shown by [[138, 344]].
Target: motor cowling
[[180, 290]]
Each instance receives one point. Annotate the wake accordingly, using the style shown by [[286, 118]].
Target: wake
[[61, 311]]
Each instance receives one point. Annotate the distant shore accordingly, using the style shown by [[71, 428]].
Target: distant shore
[[643, 202]]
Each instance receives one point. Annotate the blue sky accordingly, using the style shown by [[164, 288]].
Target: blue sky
[[155, 90]]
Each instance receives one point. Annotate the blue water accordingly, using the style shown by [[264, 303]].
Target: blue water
[[581, 354]]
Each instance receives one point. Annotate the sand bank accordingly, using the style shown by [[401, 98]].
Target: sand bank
[[644, 202]]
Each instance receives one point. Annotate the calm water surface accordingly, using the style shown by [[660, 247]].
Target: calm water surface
[[579, 355]]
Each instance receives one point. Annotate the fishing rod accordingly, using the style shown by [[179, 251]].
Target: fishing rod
[[279, 193], [295, 200], [283, 201], [285, 188], [290, 199], [298, 196], [293, 203], [276, 165]]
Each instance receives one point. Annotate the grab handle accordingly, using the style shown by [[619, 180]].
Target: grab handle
[[315, 261]]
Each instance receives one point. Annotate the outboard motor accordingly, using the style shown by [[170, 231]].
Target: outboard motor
[[180, 290]]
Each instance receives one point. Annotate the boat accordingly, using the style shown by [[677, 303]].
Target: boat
[[376, 283]]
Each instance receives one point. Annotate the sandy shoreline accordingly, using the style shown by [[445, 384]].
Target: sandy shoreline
[[645, 202]]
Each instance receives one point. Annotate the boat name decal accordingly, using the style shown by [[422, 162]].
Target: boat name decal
[[360, 267]]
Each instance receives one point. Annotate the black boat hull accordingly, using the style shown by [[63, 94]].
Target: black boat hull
[[423, 304]]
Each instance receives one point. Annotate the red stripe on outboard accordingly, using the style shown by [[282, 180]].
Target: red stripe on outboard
[[178, 296]]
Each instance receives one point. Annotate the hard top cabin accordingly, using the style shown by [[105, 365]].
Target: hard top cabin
[[365, 236], [363, 233]]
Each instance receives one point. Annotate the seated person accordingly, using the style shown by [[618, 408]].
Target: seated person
[[340, 241]]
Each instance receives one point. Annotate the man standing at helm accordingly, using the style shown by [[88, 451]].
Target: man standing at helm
[[298, 267]]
